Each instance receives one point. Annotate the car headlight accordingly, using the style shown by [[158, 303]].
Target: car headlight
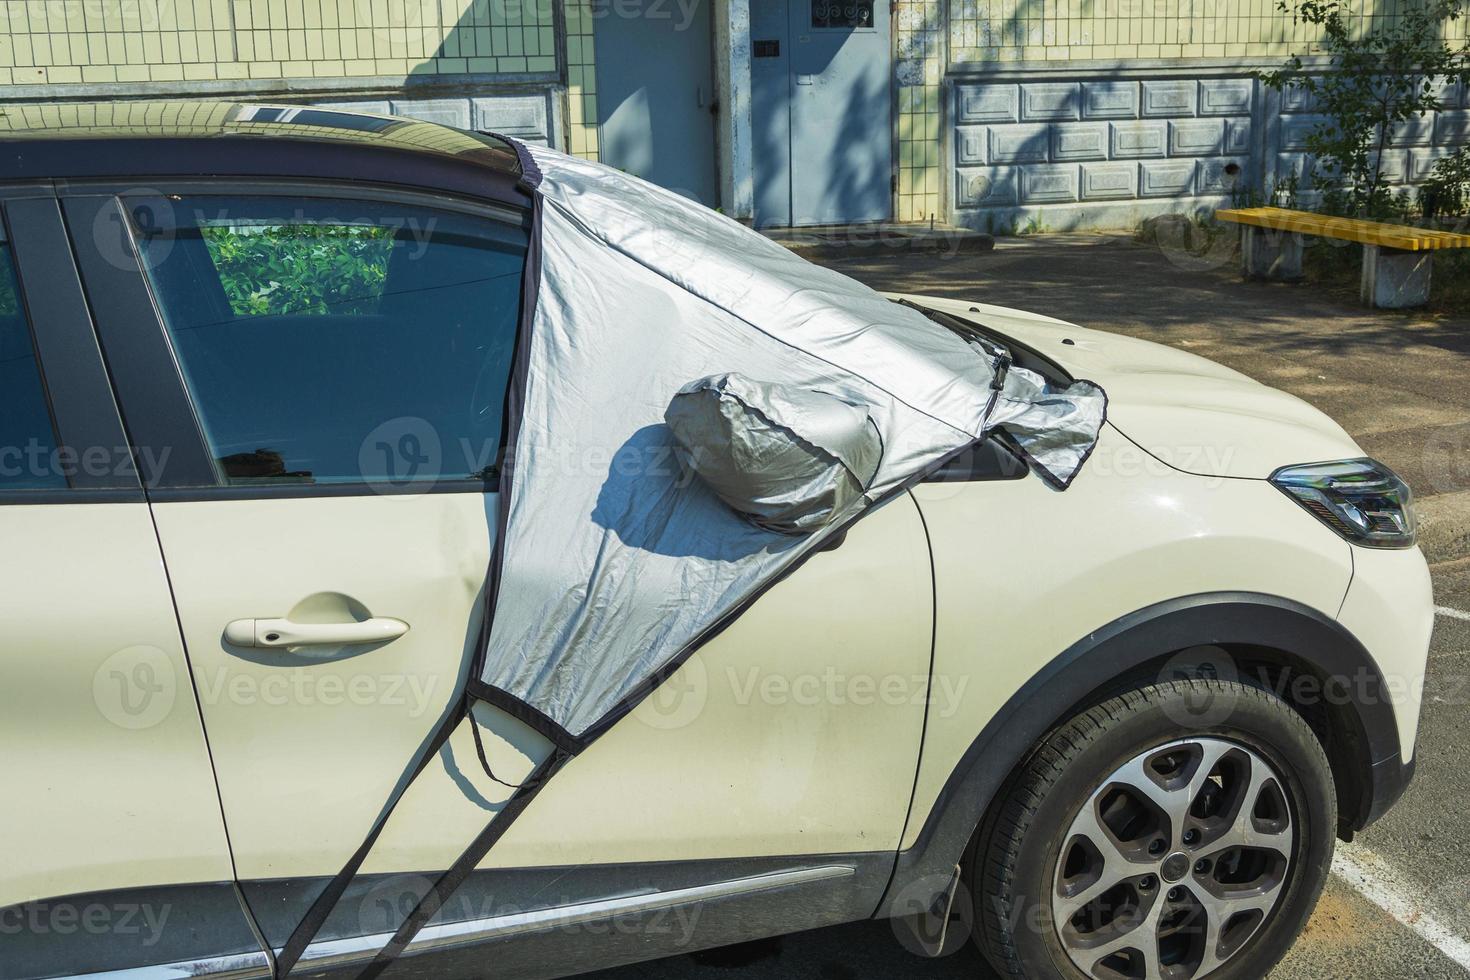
[[1361, 499]]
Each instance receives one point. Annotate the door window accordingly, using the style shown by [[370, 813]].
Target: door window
[[842, 14], [28, 457], [338, 341]]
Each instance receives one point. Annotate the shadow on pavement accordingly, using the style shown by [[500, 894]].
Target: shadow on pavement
[[860, 951]]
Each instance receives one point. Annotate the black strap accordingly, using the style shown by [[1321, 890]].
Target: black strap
[[480, 751], [450, 880], [308, 927]]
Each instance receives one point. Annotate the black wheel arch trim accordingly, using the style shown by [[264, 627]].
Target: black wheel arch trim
[[1085, 672]]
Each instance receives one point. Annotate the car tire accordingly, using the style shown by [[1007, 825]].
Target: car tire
[[1121, 778]]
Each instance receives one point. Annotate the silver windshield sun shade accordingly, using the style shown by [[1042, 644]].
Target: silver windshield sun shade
[[693, 410], [795, 397]]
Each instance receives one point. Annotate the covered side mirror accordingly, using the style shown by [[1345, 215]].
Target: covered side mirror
[[788, 459]]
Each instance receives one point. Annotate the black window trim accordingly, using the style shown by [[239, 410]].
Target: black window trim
[[156, 401], [84, 414]]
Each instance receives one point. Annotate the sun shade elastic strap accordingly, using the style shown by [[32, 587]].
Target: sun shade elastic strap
[[307, 929], [442, 889]]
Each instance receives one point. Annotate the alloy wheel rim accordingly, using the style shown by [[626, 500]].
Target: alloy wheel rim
[[1174, 862]]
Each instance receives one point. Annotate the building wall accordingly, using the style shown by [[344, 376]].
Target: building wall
[[102, 42], [1080, 114], [1058, 113], [1067, 151], [999, 31], [483, 64], [582, 115], [919, 61]]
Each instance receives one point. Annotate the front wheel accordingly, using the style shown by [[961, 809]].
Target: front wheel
[[1182, 830]]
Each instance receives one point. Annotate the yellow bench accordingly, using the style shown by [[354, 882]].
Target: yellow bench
[[1397, 259]]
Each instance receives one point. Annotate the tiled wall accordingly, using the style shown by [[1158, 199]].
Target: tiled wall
[[531, 118], [918, 27], [137, 41], [1107, 152], [1414, 147], [581, 81], [1119, 30], [1099, 145]]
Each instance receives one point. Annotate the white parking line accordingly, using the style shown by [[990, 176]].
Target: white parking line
[[1371, 877], [1451, 613]]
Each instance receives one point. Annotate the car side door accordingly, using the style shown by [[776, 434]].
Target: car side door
[[321, 373], [111, 839]]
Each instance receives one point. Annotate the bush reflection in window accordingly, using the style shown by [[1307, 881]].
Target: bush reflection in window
[[310, 332]]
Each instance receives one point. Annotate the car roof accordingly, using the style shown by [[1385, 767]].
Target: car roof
[[124, 140]]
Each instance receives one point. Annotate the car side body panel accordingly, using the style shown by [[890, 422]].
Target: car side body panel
[[116, 786], [1014, 593]]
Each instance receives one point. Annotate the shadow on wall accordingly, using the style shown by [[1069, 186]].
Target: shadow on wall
[[821, 146], [656, 92], [855, 176]]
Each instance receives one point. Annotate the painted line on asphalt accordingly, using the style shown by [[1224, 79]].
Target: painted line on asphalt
[[1452, 613], [1370, 876]]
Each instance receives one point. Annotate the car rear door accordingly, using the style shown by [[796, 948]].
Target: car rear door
[[320, 371], [112, 845]]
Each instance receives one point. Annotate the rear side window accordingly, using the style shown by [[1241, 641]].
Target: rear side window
[[28, 457], [338, 341]]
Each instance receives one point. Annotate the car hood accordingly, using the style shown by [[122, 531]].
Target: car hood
[[1189, 412]]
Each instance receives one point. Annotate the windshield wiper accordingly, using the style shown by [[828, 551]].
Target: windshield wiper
[[971, 334]]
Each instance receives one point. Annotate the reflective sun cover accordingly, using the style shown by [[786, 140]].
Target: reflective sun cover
[[786, 458], [617, 560]]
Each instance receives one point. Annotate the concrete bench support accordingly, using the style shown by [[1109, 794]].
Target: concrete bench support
[[1270, 254], [1395, 280]]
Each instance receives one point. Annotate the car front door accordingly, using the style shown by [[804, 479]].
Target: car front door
[[328, 368]]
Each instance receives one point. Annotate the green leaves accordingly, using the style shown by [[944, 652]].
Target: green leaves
[[1447, 191], [276, 270], [1377, 81], [9, 303]]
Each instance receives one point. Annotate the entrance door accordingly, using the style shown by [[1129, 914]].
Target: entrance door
[[656, 92], [822, 111]]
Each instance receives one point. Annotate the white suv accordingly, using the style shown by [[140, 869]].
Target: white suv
[[255, 364]]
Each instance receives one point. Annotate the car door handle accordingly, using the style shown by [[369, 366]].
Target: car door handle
[[279, 633]]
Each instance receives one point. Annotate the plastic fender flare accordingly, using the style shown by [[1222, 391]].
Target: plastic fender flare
[[1073, 679]]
